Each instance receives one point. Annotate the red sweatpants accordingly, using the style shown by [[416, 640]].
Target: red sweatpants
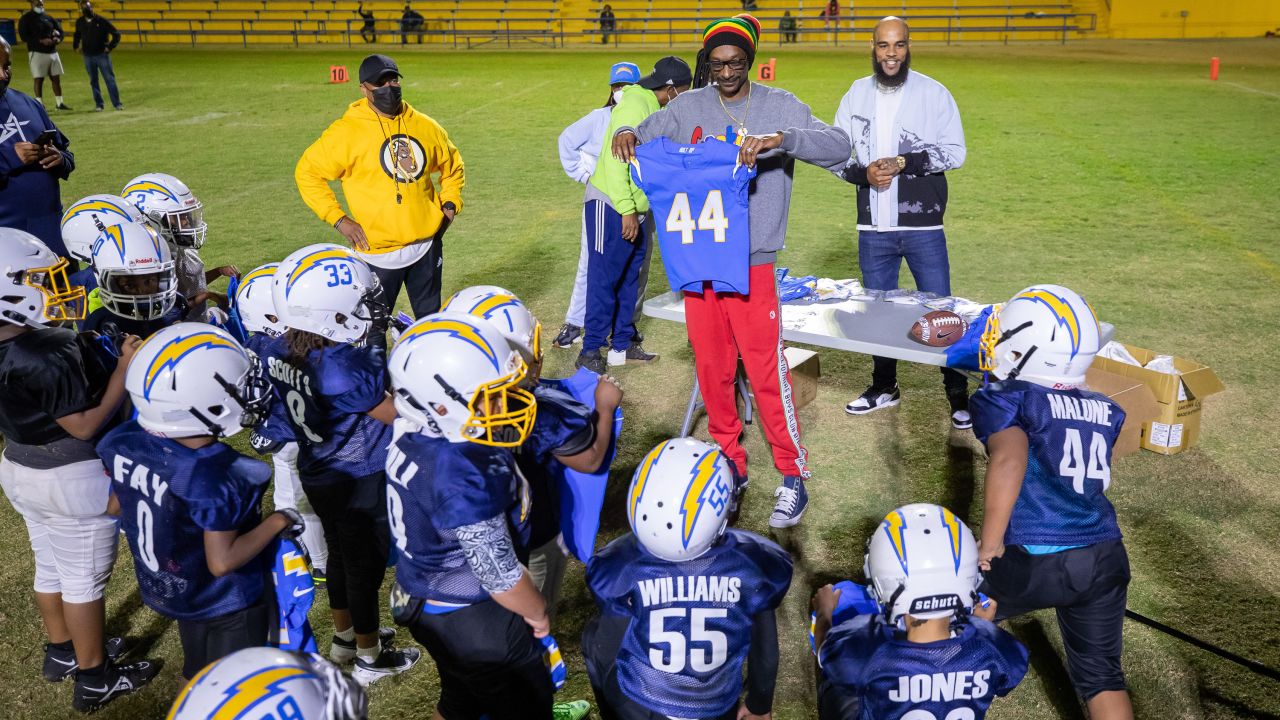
[[724, 326]]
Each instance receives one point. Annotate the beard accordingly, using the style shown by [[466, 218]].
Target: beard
[[891, 81]]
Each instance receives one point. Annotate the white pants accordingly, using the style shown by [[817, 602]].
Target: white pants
[[288, 494], [72, 537], [577, 313], [44, 64]]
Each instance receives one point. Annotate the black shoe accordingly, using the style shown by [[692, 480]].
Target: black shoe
[[568, 335], [872, 399], [63, 106], [61, 664], [344, 651], [319, 579], [389, 662], [593, 361], [116, 680]]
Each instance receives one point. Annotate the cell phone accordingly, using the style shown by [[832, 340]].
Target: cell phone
[[46, 137]]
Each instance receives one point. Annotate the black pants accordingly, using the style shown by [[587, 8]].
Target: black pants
[[421, 279], [490, 664], [353, 514], [204, 641], [1088, 587]]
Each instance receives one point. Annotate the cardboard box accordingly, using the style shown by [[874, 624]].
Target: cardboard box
[[805, 371], [1137, 400], [1180, 398]]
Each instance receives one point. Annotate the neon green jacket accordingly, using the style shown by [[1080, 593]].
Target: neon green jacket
[[613, 178]]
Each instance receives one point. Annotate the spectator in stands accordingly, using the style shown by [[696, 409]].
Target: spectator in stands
[[902, 190], [95, 38], [29, 172], [748, 5], [608, 24], [398, 228], [830, 18], [42, 33], [367, 31], [410, 21], [787, 26]]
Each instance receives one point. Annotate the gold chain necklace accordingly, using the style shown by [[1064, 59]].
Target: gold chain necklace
[[742, 124]]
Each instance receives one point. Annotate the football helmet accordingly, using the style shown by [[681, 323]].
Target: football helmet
[[270, 682], [679, 498], [254, 304], [85, 220], [34, 288], [328, 290], [194, 379], [922, 561], [135, 272], [457, 377], [502, 308], [1046, 334], [169, 206]]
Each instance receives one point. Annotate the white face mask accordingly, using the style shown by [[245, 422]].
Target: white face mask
[[39, 9], [617, 96]]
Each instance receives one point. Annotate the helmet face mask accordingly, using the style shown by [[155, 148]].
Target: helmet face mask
[[35, 290], [184, 228], [679, 497], [170, 207]]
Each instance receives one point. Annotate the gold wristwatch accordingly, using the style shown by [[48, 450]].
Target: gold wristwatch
[[902, 163]]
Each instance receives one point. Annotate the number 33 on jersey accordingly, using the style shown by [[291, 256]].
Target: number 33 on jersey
[[698, 194]]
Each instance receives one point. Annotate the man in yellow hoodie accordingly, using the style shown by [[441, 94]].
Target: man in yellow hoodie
[[385, 152]]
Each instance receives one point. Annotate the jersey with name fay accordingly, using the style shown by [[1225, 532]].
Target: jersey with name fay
[[434, 487], [690, 628], [169, 496], [698, 194], [1070, 435], [896, 679]]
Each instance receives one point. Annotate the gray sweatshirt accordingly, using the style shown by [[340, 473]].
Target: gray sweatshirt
[[698, 115]]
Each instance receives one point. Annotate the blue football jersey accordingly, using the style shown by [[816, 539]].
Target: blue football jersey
[[698, 194], [169, 496], [434, 487], [947, 679], [1070, 435], [327, 402], [563, 426], [276, 426], [690, 628]]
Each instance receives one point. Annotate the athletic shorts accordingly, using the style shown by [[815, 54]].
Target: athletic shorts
[[45, 64], [489, 663], [1087, 586], [72, 537], [204, 641]]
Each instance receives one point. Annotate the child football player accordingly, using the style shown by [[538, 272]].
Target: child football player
[[137, 285], [685, 601], [1049, 534], [930, 653], [188, 503]]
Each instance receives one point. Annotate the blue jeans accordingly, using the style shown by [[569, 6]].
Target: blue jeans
[[880, 256], [94, 64]]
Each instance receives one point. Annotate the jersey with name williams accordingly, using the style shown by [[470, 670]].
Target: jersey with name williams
[[698, 194], [327, 401], [1070, 434], [434, 487], [896, 679], [169, 496], [690, 628]]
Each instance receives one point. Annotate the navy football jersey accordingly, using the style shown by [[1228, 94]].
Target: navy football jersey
[[944, 680], [690, 628], [326, 402], [169, 496], [1070, 435], [698, 194], [434, 487], [563, 426], [276, 426]]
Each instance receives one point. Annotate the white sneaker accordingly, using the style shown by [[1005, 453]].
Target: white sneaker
[[961, 420], [872, 399]]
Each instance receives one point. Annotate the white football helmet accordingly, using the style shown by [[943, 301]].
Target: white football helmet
[[34, 288], [506, 312], [456, 376], [1046, 334], [328, 290], [922, 561], [679, 498], [254, 302], [85, 220], [135, 271], [169, 206], [268, 682], [194, 379]]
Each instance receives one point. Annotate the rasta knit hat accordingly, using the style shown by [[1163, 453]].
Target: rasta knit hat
[[740, 31]]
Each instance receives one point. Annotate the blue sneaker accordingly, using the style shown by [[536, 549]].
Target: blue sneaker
[[792, 499]]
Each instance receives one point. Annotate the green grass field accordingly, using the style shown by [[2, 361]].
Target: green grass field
[[1115, 168]]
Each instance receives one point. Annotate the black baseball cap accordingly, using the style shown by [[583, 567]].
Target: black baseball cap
[[374, 67], [670, 70]]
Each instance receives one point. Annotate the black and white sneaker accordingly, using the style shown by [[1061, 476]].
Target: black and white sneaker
[[634, 355], [874, 399], [389, 662], [568, 335], [116, 680], [61, 664], [961, 420], [344, 651], [792, 499]]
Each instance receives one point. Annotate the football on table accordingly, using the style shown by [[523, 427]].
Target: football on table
[[938, 328]]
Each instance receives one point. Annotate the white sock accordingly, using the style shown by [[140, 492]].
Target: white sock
[[349, 635], [40, 100], [369, 654], [58, 98]]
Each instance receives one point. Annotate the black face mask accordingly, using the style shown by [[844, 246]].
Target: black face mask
[[386, 99], [87, 13], [4, 87]]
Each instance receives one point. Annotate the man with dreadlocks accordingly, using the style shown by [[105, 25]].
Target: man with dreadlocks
[[773, 129]]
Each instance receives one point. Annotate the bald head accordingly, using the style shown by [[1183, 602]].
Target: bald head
[[894, 25]]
